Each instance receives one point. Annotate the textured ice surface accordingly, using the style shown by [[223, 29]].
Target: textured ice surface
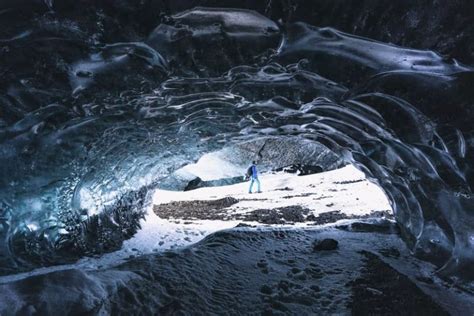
[[96, 114]]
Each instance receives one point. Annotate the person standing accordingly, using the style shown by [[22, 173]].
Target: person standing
[[252, 172]]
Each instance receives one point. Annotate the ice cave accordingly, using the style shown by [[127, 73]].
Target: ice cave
[[135, 134]]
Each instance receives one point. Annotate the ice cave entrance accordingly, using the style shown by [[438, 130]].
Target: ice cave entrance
[[179, 218]]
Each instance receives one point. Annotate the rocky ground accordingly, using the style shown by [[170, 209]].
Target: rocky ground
[[212, 210]]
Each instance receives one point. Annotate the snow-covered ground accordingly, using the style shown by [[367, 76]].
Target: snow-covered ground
[[344, 189]]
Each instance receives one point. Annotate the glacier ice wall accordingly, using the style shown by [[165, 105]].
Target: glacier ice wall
[[97, 107]]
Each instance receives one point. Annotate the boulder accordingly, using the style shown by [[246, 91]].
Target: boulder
[[325, 244]]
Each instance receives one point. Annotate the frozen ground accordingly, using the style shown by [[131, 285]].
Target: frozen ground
[[252, 271], [196, 262], [344, 189]]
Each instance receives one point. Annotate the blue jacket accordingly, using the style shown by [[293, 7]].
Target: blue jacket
[[254, 171]]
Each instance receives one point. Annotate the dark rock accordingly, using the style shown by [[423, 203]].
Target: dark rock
[[325, 244], [244, 225], [375, 225], [302, 170], [276, 153], [328, 217], [202, 209], [193, 184], [282, 215], [284, 189]]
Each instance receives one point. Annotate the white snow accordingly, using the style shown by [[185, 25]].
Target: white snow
[[327, 194], [344, 189], [213, 166]]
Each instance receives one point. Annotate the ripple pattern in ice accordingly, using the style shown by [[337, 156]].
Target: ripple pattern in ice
[[87, 131]]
